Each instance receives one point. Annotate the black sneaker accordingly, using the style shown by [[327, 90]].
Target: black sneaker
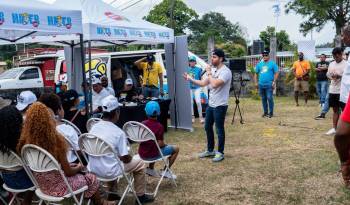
[[144, 199], [320, 117], [264, 115], [270, 115]]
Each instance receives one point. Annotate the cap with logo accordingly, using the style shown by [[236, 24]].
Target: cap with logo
[[128, 81], [95, 80], [25, 99], [150, 58], [192, 59], [109, 103], [266, 52], [152, 109]]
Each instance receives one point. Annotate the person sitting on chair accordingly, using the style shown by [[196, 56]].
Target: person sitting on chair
[[108, 166], [99, 92], [104, 82], [24, 100], [148, 150], [129, 93]]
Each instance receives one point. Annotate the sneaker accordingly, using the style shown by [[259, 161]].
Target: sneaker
[[193, 120], [320, 117], [206, 154], [331, 132], [270, 115], [169, 175], [152, 172], [202, 121], [218, 157], [144, 199], [264, 115]]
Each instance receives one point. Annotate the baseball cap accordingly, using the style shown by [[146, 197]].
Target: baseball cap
[[152, 109], [192, 58], [25, 99], [70, 95], [265, 52], [220, 53], [128, 81], [4, 102], [150, 58], [95, 80], [109, 103]]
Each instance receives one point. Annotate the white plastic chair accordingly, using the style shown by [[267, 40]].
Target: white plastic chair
[[72, 148], [139, 133], [91, 122], [94, 146], [11, 162], [40, 161], [67, 122]]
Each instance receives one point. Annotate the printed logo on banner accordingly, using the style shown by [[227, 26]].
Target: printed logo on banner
[[26, 19], [2, 18], [150, 34], [164, 35], [98, 67], [104, 31], [136, 33], [116, 17], [60, 21], [120, 32]]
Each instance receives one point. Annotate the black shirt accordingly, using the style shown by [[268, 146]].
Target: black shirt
[[129, 94], [322, 75], [79, 121]]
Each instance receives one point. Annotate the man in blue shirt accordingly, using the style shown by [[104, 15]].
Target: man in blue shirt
[[196, 73], [267, 70]]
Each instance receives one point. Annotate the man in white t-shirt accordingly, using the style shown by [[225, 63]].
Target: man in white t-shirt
[[345, 82], [335, 73], [219, 84], [108, 166], [98, 93], [104, 82]]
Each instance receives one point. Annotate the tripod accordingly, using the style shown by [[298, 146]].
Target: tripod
[[237, 95]]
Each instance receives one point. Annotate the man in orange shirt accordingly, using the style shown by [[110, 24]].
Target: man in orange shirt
[[301, 71]]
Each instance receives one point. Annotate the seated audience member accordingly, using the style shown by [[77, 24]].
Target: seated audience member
[[104, 82], [148, 150], [40, 129], [129, 93], [108, 166], [10, 125], [98, 93], [24, 100], [53, 102], [70, 103]]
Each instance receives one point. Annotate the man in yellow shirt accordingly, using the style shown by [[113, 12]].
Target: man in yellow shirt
[[301, 71], [152, 75]]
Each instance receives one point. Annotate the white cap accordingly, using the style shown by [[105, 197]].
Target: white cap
[[24, 99], [95, 80], [128, 81], [109, 103]]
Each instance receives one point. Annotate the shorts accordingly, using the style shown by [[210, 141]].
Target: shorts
[[167, 150], [334, 101], [17, 180], [301, 86]]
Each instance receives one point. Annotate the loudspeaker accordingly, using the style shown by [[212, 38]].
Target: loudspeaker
[[238, 65]]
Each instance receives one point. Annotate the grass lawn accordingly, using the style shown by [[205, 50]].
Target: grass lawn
[[284, 160]]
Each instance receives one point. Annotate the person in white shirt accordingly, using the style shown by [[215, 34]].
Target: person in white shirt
[[345, 82], [108, 166], [219, 84], [98, 93], [104, 82], [53, 102], [335, 73]]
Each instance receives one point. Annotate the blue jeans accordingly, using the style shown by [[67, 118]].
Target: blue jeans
[[266, 93], [215, 115], [322, 90], [149, 92], [325, 107], [17, 180]]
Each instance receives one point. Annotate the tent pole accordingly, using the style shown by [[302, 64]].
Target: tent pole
[[90, 75], [83, 72]]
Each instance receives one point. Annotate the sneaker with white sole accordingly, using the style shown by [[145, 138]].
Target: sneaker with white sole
[[169, 175], [331, 132], [202, 121], [152, 172], [206, 154], [218, 157]]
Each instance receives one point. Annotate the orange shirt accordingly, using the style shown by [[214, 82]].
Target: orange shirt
[[301, 68]]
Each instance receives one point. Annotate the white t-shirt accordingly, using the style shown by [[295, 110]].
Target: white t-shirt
[[220, 96], [70, 134], [98, 97], [337, 69], [107, 166], [345, 84], [110, 90]]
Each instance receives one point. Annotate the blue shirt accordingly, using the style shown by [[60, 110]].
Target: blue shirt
[[266, 72], [195, 73]]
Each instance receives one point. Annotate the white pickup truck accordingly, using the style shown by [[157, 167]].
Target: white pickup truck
[[21, 78]]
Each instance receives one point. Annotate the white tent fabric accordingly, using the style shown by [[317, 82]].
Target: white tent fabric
[[103, 24], [19, 19]]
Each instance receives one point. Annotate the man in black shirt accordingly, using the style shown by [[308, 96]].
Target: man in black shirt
[[322, 85], [129, 92]]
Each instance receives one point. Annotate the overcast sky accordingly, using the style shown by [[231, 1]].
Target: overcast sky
[[254, 15]]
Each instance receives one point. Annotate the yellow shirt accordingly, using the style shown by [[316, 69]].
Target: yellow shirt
[[151, 74], [301, 68]]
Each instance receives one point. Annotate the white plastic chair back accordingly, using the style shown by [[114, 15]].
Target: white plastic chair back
[[91, 122], [138, 132], [10, 161], [72, 125], [71, 147]]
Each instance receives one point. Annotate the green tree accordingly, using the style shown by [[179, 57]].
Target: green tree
[[283, 42], [160, 14], [214, 25], [318, 13]]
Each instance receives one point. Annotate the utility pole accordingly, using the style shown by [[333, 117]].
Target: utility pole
[[172, 20]]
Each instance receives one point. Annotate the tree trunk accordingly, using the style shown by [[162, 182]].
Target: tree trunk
[[211, 45]]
